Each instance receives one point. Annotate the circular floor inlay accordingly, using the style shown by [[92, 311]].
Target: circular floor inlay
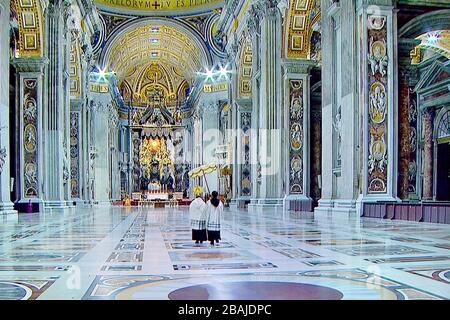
[[11, 291], [256, 290]]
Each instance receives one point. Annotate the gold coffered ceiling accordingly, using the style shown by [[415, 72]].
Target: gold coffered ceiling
[[155, 44], [158, 7], [155, 55]]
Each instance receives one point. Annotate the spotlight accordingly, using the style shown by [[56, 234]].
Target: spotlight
[[101, 74], [223, 72], [433, 38], [209, 74]]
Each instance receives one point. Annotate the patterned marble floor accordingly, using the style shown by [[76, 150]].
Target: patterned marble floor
[[130, 253]]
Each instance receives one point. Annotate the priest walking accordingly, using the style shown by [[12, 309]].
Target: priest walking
[[197, 215]]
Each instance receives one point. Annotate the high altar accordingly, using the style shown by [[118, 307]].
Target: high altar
[[156, 151]]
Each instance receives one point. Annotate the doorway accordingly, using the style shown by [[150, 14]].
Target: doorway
[[443, 172]]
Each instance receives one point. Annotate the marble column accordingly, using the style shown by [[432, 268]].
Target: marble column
[[100, 149], [243, 152], [233, 93], [427, 127], [114, 169], [378, 54], [210, 141], [6, 206], [56, 106], [29, 92], [255, 34], [296, 151], [270, 118], [188, 143], [407, 113], [75, 146]]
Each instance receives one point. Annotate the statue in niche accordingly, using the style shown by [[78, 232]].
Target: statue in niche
[[167, 178], [186, 181], [337, 125]]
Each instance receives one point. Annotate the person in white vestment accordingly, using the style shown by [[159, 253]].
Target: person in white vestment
[[215, 210], [197, 215]]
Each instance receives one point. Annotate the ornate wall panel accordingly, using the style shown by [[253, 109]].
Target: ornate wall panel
[[75, 185], [246, 169], [407, 141], [378, 105], [316, 152], [136, 171], [296, 136], [30, 142], [412, 163]]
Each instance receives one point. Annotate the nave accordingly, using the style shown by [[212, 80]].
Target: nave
[[138, 253]]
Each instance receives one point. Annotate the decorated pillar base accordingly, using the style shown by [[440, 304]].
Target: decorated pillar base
[[298, 203], [266, 205], [56, 205], [7, 208], [238, 204], [345, 206], [325, 206], [102, 203]]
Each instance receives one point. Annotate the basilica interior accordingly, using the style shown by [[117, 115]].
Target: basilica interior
[[324, 126]]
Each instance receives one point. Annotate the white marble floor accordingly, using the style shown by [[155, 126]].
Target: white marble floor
[[131, 253]]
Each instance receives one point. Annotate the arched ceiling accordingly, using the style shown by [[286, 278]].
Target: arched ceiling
[[158, 7], [155, 41]]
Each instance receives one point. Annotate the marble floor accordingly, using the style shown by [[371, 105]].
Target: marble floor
[[131, 253]]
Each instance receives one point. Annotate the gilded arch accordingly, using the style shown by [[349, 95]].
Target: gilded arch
[[245, 68], [302, 16], [30, 20]]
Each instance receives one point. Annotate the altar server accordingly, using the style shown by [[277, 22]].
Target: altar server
[[197, 213], [215, 209]]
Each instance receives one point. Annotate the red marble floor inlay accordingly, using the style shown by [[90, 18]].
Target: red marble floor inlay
[[256, 290]]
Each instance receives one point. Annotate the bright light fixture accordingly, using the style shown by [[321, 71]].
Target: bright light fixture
[[223, 72], [209, 74], [433, 38]]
